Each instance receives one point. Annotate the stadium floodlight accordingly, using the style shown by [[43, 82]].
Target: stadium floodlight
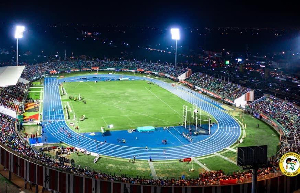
[[19, 31], [18, 34], [175, 36]]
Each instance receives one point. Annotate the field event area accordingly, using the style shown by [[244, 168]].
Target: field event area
[[123, 104]]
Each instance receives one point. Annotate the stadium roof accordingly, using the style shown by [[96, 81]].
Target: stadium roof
[[10, 75]]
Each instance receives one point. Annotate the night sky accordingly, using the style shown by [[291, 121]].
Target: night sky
[[164, 13]]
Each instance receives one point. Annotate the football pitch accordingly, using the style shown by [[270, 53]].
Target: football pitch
[[123, 104], [129, 104]]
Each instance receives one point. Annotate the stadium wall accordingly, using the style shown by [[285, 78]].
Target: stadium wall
[[57, 180]]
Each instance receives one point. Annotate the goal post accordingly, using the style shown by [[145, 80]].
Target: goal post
[[191, 116]]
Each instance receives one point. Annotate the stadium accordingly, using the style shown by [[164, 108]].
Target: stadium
[[131, 126]]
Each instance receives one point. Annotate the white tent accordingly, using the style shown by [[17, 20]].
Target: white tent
[[10, 75]]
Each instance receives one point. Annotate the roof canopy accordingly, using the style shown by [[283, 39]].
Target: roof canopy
[[10, 75]]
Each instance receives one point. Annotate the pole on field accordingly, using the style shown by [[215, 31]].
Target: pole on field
[[185, 115], [209, 120], [196, 121]]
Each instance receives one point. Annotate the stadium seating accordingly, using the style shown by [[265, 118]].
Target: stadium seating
[[224, 89], [12, 96], [32, 72], [9, 139], [284, 112]]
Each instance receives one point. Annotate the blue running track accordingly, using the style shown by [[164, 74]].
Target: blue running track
[[225, 134]]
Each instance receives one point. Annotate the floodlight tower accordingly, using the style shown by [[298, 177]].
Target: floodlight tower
[[175, 36], [19, 34]]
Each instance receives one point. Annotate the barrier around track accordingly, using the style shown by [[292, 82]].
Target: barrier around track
[[56, 179]]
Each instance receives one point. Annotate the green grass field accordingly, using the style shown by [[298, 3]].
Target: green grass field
[[35, 88], [218, 163], [113, 165], [34, 95], [175, 169], [264, 135], [35, 91], [130, 104], [125, 104], [168, 169], [38, 82]]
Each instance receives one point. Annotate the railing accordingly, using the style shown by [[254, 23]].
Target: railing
[[59, 180]]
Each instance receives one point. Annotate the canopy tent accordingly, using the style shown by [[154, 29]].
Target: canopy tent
[[146, 129], [10, 75]]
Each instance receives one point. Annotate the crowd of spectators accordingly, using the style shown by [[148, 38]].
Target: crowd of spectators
[[13, 141], [12, 96], [266, 80], [36, 71], [223, 88], [285, 113]]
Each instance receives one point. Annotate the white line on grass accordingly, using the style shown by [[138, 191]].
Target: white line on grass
[[128, 117], [104, 121], [162, 101], [153, 172], [226, 158], [231, 149], [123, 109], [200, 164]]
